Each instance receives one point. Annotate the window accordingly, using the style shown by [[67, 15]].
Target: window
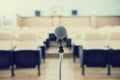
[[74, 12], [37, 13]]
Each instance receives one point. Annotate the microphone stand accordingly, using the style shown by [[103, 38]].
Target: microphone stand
[[61, 50]]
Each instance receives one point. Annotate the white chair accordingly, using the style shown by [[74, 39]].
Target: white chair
[[26, 40], [114, 40], [6, 41], [94, 51], [93, 40], [114, 49], [6, 51], [27, 54]]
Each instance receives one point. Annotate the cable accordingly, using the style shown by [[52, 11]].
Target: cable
[[60, 66]]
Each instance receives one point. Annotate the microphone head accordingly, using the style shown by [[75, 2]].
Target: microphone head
[[60, 32]]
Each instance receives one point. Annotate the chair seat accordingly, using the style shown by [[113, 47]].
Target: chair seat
[[27, 58], [95, 58], [114, 58], [5, 59]]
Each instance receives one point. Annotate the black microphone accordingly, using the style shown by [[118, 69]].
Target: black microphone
[[60, 32]]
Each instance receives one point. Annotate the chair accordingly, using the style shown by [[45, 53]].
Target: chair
[[75, 52], [52, 37], [6, 51], [68, 42], [43, 51], [114, 50], [47, 43], [27, 54], [94, 52]]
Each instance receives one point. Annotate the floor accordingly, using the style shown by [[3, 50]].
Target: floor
[[70, 71]]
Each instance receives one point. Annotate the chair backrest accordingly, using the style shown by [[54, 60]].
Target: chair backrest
[[114, 40], [93, 40], [26, 41], [6, 41], [77, 40]]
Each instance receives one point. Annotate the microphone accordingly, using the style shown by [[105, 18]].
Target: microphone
[[60, 32]]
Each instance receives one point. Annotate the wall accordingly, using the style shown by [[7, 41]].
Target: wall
[[111, 20], [93, 21], [26, 8], [8, 20], [36, 21], [19, 20], [84, 7], [76, 21]]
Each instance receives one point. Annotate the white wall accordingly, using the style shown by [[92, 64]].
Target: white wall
[[85, 7]]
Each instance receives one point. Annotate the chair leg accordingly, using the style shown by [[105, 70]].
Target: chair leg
[[83, 70], [44, 60], [12, 72], [74, 59], [109, 70], [38, 70]]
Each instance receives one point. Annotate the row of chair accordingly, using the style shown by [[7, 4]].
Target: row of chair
[[97, 58], [96, 34], [24, 40], [98, 48], [21, 52], [19, 59], [53, 38], [79, 32], [70, 30], [94, 40]]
